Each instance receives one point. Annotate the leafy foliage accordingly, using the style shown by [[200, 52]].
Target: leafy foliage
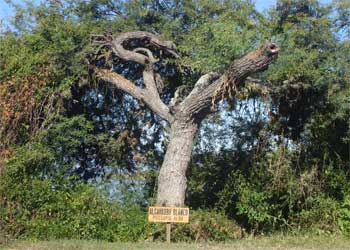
[[270, 164]]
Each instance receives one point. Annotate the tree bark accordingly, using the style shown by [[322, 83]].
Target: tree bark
[[172, 176], [186, 116]]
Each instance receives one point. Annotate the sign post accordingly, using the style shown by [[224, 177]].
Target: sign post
[[168, 215], [168, 232]]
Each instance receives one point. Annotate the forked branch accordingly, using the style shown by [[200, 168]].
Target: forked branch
[[142, 95], [138, 47]]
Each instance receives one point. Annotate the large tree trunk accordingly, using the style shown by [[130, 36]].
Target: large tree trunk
[[172, 176]]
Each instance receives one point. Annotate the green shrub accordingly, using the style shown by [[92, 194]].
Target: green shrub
[[80, 212], [344, 217], [275, 192], [35, 205], [320, 216]]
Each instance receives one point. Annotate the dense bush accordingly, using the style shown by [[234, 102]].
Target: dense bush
[[39, 206], [344, 217], [272, 194]]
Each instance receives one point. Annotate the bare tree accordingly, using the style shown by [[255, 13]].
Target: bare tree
[[186, 116]]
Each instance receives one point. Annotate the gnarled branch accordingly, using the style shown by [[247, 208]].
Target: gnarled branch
[[123, 46], [143, 95], [199, 103]]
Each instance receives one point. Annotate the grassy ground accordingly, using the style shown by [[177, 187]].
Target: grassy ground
[[264, 243]]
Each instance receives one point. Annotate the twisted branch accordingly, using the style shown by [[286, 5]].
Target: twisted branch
[[123, 47]]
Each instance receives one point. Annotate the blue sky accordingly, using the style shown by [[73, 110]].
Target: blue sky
[[6, 11]]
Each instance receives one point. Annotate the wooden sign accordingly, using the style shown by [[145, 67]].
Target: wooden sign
[[168, 214]]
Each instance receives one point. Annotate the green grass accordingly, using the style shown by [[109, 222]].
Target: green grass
[[261, 243]]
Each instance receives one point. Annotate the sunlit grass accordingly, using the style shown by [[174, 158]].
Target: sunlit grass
[[261, 243]]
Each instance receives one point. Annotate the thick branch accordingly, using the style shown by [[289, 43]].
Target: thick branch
[[154, 101], [144, 56], [121, 46], [198, 103], [145, 95], [120, 82]]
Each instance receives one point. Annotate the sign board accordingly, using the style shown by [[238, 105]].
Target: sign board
[[168, 214]]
